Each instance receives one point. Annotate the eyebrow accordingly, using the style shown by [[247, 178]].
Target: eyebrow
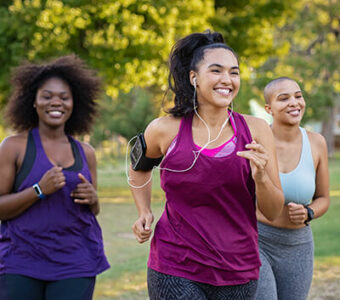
[[220, 66], [48, 91], [286, 94]]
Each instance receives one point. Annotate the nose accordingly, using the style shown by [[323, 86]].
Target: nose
[[56, 101], [293, 101], [226, 78]]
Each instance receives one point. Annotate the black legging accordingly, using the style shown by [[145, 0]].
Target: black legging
[[18, 287], [167, 287]]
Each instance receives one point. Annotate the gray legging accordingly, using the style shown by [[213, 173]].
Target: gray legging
[[287, 263], [167, 287]]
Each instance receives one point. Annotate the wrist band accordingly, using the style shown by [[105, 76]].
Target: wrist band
[[38, 191]]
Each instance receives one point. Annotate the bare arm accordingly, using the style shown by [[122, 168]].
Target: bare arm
[[262, 156], [158, 137], [321, 199], [14, 204]]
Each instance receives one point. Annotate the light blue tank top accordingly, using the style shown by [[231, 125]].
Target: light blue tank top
[[299, 185]]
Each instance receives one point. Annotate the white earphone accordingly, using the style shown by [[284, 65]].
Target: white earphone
[[194, 81]]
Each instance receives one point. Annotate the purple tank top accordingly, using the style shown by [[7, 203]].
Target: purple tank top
[[55, 238], [208, 231]]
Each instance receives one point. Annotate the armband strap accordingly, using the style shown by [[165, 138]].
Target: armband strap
[[139, 161]]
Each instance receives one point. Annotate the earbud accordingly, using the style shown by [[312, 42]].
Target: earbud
[[194, 81]]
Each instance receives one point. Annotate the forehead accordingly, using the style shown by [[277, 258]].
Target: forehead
[[285, 87], [55, 84], [219, 56]]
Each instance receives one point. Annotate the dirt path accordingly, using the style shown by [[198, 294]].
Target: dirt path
[[326, 282]]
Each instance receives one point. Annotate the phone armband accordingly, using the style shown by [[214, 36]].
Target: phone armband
[[139, 161]]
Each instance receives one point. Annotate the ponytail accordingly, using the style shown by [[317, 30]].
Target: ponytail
[[184, 57]]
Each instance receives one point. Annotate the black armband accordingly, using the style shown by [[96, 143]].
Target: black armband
[[138, 159]]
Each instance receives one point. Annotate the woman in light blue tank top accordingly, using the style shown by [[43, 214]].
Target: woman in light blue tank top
[[286, 244]]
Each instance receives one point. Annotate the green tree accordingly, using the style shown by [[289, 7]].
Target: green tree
[[249, 27], [313, 60], [127, 115], [128, 41]]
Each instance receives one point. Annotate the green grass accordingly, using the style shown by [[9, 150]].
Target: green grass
[[326, 231], [334, 172], [126, 280], [127, 277]]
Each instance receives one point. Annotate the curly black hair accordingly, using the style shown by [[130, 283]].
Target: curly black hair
[[184, 57], [85, 86]]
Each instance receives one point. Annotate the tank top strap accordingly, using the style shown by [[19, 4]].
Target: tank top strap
[[306, 160], [243, 132], [184, 132], [78, 153], [37, 140], [27, 163]]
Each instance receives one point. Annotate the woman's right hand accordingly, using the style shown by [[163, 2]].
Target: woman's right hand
[[142, 227], [52, 181]]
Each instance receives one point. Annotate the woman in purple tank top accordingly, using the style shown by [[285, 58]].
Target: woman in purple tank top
[[205, 244], [50, 241]]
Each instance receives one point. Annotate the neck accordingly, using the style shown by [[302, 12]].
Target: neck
[[51, 133], [285, 133], [213, 117]]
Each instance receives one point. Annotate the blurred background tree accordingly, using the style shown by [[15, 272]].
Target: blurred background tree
[[313, 60], [128, 42]]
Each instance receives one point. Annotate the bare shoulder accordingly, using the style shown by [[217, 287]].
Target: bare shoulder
[[90, 155], [316, 139], [160, 133], [88, 150], [258, 127], [167, 125], [14, 143], [318, 143]]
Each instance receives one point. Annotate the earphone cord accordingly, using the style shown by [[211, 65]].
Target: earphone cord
[[196, 153]]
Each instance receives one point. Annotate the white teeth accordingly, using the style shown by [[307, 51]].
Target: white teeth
[[55, 113], [294, 112], [225, 92]]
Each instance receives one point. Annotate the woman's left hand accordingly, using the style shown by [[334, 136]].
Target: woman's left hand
[[258, 158], [297, 213], [85, 193]]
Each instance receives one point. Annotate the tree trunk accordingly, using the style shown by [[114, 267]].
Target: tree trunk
[[328, 131]]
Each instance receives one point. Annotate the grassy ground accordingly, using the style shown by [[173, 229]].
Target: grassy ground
[[127, 278]]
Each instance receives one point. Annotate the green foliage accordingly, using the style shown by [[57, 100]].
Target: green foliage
[[249, 28], [313, 58], [127, 115], [128, 41]]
